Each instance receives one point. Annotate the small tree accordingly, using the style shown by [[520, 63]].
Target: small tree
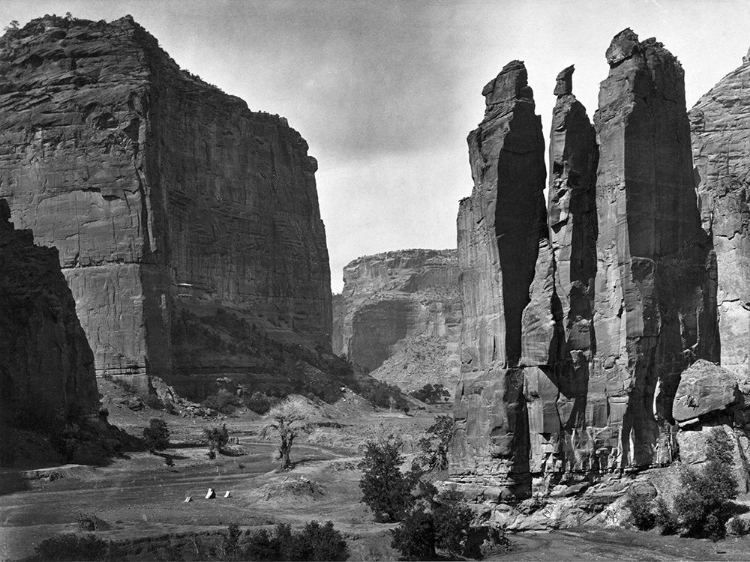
[[385, 489], [432, 393], [703, 505], [415, 537], [217, 438], [640, 510], [287, 420], [433, 447], [156, 435]]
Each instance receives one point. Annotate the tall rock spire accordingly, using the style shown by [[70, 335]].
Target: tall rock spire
[[653, 307], [499, 232]]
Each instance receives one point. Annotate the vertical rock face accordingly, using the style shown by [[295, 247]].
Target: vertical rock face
[[501, 232], [720, 122], [45, 360], [400, 317], [575, 337], [161, 192], [654, 309]]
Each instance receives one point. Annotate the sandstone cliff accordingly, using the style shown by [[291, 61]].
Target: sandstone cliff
[[575, 335], [720, 124], [399, 316], [162, 193], [502, 230], [45, 361]]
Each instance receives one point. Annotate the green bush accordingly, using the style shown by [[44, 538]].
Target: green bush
[[704, 504], [70, 546], [217, 438], [640, 510], [222, 401], [385, 489], [415, 537], [314, 542], [452, 521], [156, 435], [738, 527], [666, 520], [432, 393]]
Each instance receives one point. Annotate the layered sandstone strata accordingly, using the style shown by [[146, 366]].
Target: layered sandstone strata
[[654, 299], [502, 230], [161, 192], [720, 125], [45, 361], [400, 317], [575, 337]]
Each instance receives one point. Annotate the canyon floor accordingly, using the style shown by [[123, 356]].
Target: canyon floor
[[140, 498]]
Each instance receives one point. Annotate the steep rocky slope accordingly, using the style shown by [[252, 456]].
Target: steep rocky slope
[[399, 316], [578, 322], [164, 196], [46, 363], [720, 125]]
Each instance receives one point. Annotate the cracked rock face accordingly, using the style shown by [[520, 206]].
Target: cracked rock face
[[399, 316], [45, 360], [720, 125], [161, 193], [579, 321]]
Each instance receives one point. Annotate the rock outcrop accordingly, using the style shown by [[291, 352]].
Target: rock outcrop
[[399, 316], [502, 229], [654, 295], [720, 125], [162, 194], [46, 364], [575, 336]]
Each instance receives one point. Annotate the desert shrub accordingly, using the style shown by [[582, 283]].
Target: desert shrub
[[640, 510], [385, 489], [441, 522], [156, 435], [259, 402], [89, 522], [224, 401], [452, 522], [704, 504], [415, 537], [384, 395], [70, 546], [217, 438], [665, 518], [738, 527], [314, 542], [431, 393], [433, 447]]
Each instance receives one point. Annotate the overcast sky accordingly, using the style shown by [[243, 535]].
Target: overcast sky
[[385, 92]]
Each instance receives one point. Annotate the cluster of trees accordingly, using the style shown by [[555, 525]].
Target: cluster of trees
[[429, 521], [703, 505], [432, 394], [314, 542]]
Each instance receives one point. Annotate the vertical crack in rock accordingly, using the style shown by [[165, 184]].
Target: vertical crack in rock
[[558, 322], [164, 196], [720, 124], [652, 296], [500, 230]]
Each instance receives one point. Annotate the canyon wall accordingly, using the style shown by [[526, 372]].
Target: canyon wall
[[45, 361], [399, 316], [579, 321], [162, 194], [720, 125]]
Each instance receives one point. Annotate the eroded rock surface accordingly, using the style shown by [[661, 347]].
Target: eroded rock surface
[[161, 192], [399, 316], [45, 361], [704, 389], [501, 229], [720, 125], [575, 336]]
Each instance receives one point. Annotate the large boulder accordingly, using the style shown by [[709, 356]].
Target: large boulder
[[704, 388]]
